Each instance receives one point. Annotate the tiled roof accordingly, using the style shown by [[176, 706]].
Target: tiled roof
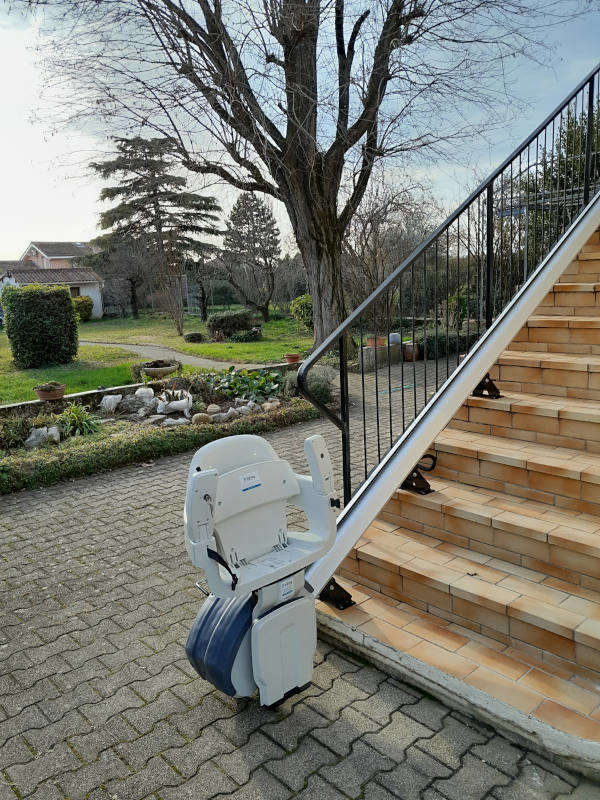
[[17, 266], [54, 276], [64, 249]]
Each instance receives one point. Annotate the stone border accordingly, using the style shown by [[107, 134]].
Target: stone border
[[570, 752]]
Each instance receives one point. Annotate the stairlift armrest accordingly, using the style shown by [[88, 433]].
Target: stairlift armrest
[[320, 512]]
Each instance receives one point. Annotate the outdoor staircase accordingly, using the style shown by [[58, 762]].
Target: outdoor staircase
[[494, 577]]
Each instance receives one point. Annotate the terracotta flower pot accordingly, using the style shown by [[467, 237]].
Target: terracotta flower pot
[[375, 341], [292, 358], [160, 372], [50, 394], [411, 351]]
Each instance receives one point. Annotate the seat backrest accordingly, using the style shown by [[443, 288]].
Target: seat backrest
[[254, 486]]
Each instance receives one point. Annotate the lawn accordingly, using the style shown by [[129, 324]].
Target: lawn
[[280, 336], [95, 366]]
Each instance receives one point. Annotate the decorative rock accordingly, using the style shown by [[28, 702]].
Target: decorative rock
[[54, 433], [37, 437], [275, 403], [200, 419], [131, 404], [213, 409], [155, 419], [144, 411], [145, 391], [267, 406], [245, 410], [109, 403], [252, 405], [232, 413], [239, 401], [171, 422], [217, 417]]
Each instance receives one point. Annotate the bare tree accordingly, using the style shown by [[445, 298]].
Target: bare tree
[[298, 99], [251, 252]]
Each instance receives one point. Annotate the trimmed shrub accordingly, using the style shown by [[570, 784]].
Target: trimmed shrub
[[253, 335], [40, 324], [301, 309], [83, 307], [319, 383], [227, 322], [194, 336], [450, 343]]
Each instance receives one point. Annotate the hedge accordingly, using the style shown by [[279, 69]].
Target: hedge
[[84, 305], [301, 309], [45, 466], [228, 322], [40, 325]]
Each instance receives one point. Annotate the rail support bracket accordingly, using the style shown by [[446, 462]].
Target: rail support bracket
[[336, 595], [415, 481], [487, 385]]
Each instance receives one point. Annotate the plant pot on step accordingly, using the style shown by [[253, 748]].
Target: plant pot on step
[[160, 368], [292, 358], [50, 391], [411, 351], [375, 341]]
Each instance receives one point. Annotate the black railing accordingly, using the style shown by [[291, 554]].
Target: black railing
[[400, 345]]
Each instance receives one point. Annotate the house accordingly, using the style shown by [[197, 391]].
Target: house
[[55, 263]]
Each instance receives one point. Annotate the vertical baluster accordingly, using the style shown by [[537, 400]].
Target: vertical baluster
[[414, 361], [345, 417], [468, 344], [400, 309], [489, 255], [425, 328], [389, 363], [565, 133], [376, 330], [362, 382], [447, 303], [535, 259], [479, 235], [435, 314], [544, 167], [588, 142], [457, 290], [513, 282]]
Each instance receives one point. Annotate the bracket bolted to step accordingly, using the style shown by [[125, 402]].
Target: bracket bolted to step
[[486, 384], [336, 595], [415, 481]]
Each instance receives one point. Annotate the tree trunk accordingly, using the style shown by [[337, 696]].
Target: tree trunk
[[203, 302], [264, 310], [133, 299]]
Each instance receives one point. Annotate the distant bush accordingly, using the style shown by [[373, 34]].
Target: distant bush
[[83, 307], [40, 324], [253, 335], [319, 383], [225, 323], [194, 336], [301, 309], [449, 343]]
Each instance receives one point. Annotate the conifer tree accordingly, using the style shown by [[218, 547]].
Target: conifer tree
[[154, 207]]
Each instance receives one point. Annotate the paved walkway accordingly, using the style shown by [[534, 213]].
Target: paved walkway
[[153, 352], [97, 699]]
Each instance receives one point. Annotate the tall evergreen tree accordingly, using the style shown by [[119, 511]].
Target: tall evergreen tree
[[251, 251], [154, 207]]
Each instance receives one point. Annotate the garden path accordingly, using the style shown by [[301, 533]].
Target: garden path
[[153, 352]]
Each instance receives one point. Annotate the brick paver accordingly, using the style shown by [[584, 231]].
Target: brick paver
[[97, 699]]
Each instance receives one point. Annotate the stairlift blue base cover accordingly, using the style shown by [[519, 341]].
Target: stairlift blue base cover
[[215, 637]]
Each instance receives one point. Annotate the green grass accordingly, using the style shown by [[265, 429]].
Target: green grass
[[95, 366], [279, 337]]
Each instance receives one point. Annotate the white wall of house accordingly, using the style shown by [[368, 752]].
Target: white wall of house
[[93, 290]]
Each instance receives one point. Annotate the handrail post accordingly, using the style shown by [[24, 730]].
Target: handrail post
[[489, 254], [588, 143], [345, 417]]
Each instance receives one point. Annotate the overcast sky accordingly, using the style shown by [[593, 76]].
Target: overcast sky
[[46, 194]]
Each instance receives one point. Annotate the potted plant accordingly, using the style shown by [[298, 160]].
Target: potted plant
[[373, 340], [52, 390], [292, 358], [160, 368], [411, 351]]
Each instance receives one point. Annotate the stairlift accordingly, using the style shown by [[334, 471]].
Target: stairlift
[[257, 627]]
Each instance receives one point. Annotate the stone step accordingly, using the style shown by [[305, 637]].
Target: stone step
[[456, 585], [557, 373], [549, 420], [558, 476], [559, 334], [574, 299], [565, 544], [536, 684]]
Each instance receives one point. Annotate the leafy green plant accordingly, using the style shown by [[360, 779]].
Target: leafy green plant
[[254, 385], [49, 386], [319, 383], [194, 336], [13, 432], [253, 335], [76, 420], [225, 323], [84, 306], [301, 309], [40, 324]]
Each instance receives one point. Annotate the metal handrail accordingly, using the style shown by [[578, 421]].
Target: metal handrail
[[483, 193]]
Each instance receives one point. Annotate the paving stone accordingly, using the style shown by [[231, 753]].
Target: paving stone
[[316, 787], [295, 768], [145, 717], [427, 711], [56, 761], [208, 744], [393, 739], [290, 730], [585, 791], [534, 783], [45, 791], [452, 742], [333, 700], [262, 786], [138, 752], [15, 751], [77, 784], [27, 719], [238, 727], [207, 782], [356, 769], [367, 678], [373, 791], [333, 666], [190, 723], [15, 701], [155, 775], [381, 705], [473, 781], [242, 761], [340, 735], [500, 754], [91, 743], [410, 778], [104, 708]]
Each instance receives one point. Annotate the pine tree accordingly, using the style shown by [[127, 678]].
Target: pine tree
[[251, 251], [155, 207]]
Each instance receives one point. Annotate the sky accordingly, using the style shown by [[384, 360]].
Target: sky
[[48, 194]]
